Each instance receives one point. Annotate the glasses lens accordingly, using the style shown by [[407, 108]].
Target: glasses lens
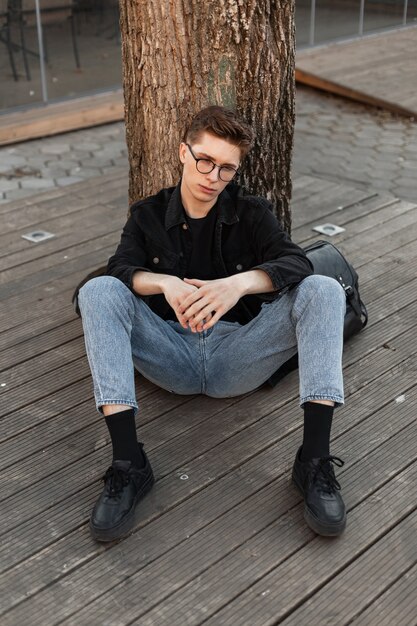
[[226, 174], [204, 167]]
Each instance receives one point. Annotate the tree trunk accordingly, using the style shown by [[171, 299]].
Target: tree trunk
[[181, 55]]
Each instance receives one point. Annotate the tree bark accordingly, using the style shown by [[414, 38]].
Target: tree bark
[[181, 55]]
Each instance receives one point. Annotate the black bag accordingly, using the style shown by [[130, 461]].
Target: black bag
[[327, 260]]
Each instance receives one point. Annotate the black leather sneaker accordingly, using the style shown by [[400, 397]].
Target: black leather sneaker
[[324, 509], [114, 513]]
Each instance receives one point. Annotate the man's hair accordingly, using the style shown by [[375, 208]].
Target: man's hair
[[223, 123]]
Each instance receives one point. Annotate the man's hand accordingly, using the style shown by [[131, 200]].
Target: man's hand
[[202, 308], [176, 292]]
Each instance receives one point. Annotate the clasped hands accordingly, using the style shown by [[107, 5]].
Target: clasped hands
[[199, 304]]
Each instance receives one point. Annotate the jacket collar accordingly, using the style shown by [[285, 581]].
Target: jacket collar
[[175, 213]]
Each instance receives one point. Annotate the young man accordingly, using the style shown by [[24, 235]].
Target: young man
[[207, 294]]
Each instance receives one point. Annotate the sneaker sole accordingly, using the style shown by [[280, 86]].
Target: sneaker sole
[[325, 530], [124, 528]]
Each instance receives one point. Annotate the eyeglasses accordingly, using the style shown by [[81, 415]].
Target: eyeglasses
[[205, 166]]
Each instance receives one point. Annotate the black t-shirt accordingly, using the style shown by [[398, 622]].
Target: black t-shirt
[[201, 261], [202, 231]]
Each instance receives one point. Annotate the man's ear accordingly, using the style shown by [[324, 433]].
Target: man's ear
[[182, 151]]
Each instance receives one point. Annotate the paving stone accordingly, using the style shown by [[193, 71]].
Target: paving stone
[[68, 180], [85, 172], [37, 183], [99, 162], [387, 149], [391, 141], [64, 164], [54, 172], [88, 147], [79, 156], [8, 185], [12, 160], [409, 168], [117, 145], [17, 194], [59, 148], [121, 162]]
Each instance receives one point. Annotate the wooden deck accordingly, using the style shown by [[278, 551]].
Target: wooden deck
[[380, 69], [221, 539]]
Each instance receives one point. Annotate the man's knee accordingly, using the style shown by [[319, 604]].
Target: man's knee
[[328, 289], [101, 288]]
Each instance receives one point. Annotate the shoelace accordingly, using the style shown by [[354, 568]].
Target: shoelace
[[324, 475], [115, 480]]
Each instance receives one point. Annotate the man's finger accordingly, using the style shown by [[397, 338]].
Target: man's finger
[[189, 300], [213, 320], [195, 281], [204, 313], [197, 308]]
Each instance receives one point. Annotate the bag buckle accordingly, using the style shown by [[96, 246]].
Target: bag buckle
[[348, 288]]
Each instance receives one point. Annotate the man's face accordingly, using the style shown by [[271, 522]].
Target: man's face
[[203, 189]]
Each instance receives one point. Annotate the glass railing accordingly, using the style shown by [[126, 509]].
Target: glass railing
[[57, 49], [322, 21]]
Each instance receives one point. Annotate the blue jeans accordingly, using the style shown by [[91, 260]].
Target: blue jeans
[[122, 332]]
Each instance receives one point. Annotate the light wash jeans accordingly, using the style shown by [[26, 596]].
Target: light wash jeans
[[227, 360]]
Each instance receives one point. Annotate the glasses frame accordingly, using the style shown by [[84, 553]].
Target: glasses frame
[[197, 159]]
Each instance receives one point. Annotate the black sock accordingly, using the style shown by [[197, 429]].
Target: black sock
[[122, 431], [317, 426]]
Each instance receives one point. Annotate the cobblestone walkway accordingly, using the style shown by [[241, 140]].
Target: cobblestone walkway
[[349, 142], [336, 139], [34, 166]]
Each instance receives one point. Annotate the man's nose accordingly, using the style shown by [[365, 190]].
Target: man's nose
[[213, 175]]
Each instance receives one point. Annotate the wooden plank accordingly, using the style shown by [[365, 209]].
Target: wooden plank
[[31, 215], [52, 405], [222, 537], [396, 606], [96, 220], [325, 202], [39, 438], [369, 70], [351, 585], [41, 343], [388, 331], [97, 251], [62, 117], [339, 89], [345, 215], [47, 552], [32, 370], [205, 595], [368, 523], [37, 267], [246, 443], [380, 334]]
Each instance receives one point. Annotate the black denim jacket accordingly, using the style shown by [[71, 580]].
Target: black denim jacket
[[248, 236]]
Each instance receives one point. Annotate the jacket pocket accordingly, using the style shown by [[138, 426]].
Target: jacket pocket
[[160, 259], [239, 263]]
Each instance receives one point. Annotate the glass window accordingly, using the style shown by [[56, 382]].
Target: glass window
[[302, 22], [336, 19], [19, 56], [382, 14], [81, 50], [412, 12], [82, 46]]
